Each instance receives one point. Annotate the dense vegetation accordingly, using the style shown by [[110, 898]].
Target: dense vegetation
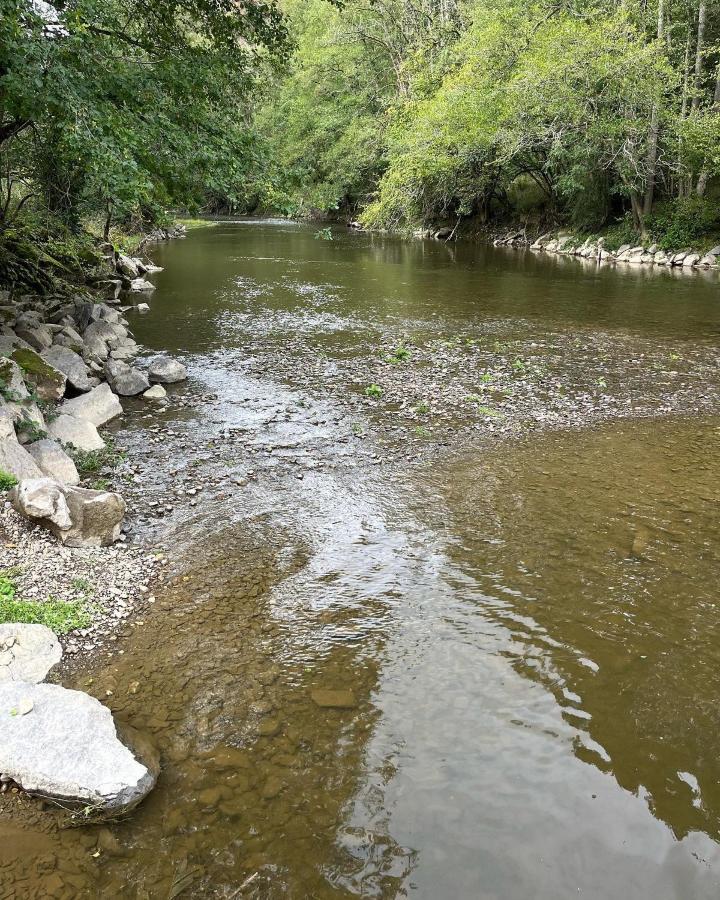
[[406, 113], [415, 111], [121, 109]]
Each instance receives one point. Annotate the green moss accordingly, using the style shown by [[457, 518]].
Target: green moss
[[32, 363]]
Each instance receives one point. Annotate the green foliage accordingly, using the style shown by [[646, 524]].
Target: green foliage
[[59, 615], [90, 462], [323, 234], [374, 391], [125, 107], [683, 222], [7, 480], [399, 355]]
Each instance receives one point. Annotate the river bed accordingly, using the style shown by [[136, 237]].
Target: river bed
[[456, 637]]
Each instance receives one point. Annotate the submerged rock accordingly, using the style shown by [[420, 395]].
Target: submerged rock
[[167, 371], [78, 517], [27, 652], [138, 285], [98, 406], [63, 744]]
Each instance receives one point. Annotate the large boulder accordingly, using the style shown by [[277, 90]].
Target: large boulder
[[72, 365], [78, 517], [98, 406], [124, 379], [78, 432], [39, 337], [63, 744], [53, 461], [27, 652], [48, 381], [127, 266], [166, 371], [105, 331], [14, 458]]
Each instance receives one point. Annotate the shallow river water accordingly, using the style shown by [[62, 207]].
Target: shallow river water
[[518, 615]]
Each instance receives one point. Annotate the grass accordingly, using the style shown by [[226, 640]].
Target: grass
[[100, 484], [422, 408], [59, 615], [7, 480], [90, 462], [374, 391]]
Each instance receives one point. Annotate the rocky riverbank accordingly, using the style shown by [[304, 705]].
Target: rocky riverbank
[[566, 244], [67, 363]]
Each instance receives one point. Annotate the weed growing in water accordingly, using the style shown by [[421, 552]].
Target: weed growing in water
[[323, 234], [398, 355], [374, 391], [422, 408]]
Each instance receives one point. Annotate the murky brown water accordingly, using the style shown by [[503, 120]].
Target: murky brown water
[[529, 627]]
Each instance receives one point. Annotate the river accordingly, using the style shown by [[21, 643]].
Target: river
[[456, 636]]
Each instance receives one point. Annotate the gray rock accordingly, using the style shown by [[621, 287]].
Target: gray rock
[[691, 259], [14, 458], [138, 285], [77, 517], [73, 366], [39, 337], [714, 252], [78, 432], [96, 350], [166, 371], [27, 652], [103, 330], [156, 392], [53, 461], [66, 747], [124, 379], [48, 381], [70, 338], [127, 266], [143, 307], [98, 406]]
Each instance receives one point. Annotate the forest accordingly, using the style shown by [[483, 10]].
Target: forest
[[400, 113]]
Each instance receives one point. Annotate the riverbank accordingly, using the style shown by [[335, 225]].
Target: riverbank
[[66, 361]]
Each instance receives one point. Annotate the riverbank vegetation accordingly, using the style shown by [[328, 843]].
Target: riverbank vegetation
[[413, 112], [405, 114], [115, 111]]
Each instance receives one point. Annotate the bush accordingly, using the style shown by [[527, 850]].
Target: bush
[[685, 222]]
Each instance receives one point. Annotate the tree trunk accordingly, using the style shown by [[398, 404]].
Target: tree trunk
[[654, 132], [699, 55]]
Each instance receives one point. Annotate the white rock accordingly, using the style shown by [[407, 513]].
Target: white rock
[[77, 516], [143, 307], [53, 461], [141, 284], [156, 392], [67, 748], [98, 406], [78, 432], [126, 265], [27, 652], [166, 370], [14, 458]]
